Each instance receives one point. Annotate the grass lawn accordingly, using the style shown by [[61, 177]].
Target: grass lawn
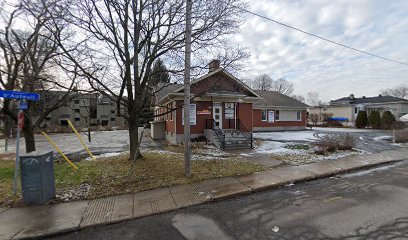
[[110, 176]]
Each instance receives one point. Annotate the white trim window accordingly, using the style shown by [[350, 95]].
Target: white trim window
[[299, 115], [277, 115], [264, 115]]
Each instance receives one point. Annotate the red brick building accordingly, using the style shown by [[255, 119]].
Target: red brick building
[[224, 110]]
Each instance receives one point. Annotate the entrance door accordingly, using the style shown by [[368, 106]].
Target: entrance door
[[217, 115]]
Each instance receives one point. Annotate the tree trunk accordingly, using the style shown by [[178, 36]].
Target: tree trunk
[[134, 138], [28, 132]]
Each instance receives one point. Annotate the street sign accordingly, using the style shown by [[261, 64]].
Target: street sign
[[23, 105], [19, 95]]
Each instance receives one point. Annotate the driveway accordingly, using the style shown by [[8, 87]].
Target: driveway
[[103, 142], [274, 147]]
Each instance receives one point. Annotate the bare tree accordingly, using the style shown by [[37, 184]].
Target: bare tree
[[29, 57], [124, 38], [283, 86], [299, 97], [400, 91], [263, 82], [313, 99]]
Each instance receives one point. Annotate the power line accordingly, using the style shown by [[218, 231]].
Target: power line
[[322, 38]]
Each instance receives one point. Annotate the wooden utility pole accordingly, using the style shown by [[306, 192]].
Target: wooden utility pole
[[187, 62]]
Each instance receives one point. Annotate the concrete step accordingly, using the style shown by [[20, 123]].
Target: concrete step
[[237, 146]]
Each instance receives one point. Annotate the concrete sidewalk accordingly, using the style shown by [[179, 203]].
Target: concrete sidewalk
[[41, 221]]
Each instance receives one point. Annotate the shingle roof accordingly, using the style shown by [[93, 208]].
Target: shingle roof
[[164, 89], [377, 99], [277, 99]]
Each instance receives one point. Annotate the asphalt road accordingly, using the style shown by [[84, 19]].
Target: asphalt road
[[365, 205]]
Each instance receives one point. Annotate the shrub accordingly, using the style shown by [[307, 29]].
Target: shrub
[[401, 136], [374, 120], [361, 121], [331, 143], [347, 142], [387, 120]]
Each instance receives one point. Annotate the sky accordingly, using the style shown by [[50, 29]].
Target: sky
[[313, 65]]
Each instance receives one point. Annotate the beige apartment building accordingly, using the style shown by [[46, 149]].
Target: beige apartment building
[[83, 110], [347, 108]]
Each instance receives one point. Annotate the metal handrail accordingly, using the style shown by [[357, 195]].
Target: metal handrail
[[218, 132], [245, 131]]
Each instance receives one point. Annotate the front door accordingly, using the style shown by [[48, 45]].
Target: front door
[[217, 115]]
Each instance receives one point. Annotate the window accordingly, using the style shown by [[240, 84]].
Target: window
[[77, 119], [113, 111], [356, 110], [77, 110], [76, 101], [229, 105], [263, 115], [112, 119], [298, 115], [277, 117]]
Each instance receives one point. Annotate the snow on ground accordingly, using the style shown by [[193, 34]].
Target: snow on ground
[[328, 129], [269, 147], [287, 136], [105, 155], [382, 138]]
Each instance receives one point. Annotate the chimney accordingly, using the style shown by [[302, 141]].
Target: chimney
[[213, 65], [379, 95], [351, 96], [364, 96]]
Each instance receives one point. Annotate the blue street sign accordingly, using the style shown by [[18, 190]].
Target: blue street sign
[[19, 95], [23, 105]]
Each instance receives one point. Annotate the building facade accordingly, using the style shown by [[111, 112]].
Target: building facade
[[347, 108], [83, 110], [223, 102]]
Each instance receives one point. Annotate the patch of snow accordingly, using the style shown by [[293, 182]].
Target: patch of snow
[[104, 155], [286, 136], [342, 129], [382, 138]]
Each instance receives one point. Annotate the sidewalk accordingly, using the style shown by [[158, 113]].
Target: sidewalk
[[41, 221]]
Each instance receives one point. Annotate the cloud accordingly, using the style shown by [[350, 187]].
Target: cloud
[[376, 26]]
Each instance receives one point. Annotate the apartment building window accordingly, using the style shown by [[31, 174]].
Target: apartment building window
[[298, 115], [77, 110], [77, 119], [113, 111], [263, 117], [112, 119], [277, 117]]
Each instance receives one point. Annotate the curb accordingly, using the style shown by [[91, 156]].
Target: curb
[[313, 176]]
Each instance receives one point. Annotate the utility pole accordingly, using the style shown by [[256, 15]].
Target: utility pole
[[187, 63]]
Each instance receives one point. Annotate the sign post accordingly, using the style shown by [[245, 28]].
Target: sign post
[[20, 126], [23, 97]]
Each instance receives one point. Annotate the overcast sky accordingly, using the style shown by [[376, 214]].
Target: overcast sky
[[376, 26]]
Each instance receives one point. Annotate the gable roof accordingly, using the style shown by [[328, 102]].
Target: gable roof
[[277, 99], [377, 99], [165, 89]]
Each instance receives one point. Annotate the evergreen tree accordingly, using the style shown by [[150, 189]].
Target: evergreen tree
[[374, 120], [361, 121], [159, 73], [387, 120]]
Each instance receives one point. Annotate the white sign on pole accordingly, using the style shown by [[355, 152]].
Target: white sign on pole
[[193, 115], [271, 116]]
